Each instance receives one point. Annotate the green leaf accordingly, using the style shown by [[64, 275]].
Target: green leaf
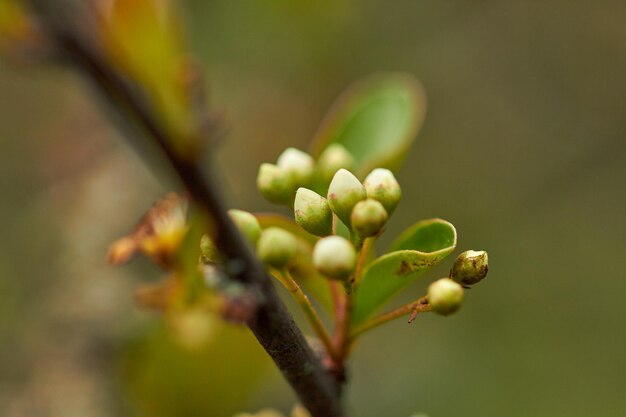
[[417, 250], [376, 119]]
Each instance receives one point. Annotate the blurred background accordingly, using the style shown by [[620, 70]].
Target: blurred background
[[524, 140]]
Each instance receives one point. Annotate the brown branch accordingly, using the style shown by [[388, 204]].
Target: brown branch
[[273, 326]]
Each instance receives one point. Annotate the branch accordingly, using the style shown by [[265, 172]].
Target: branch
[[273, 326]]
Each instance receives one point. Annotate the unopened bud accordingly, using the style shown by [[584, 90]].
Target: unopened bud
[[334, 257], [247, 224], [344, 192], [368, 217], [298, 164], [276, 247], [334, 157], [275, 183], [470, 267], [312, 212], [445, 296], [381, 185]]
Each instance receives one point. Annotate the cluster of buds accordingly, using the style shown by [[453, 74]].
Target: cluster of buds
[[363, 208], [279, 182], [445, 296]]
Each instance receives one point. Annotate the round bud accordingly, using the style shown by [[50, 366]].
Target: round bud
[[312, 212], [275, 183], [334, 157], [247, 224], [344, 192], [276, 247], [298, 164], [445, 296], [334, 257], [368, 217], [470, 267], [381, 185]]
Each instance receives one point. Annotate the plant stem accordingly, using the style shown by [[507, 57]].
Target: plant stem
[[364, 253], [273, 326], [415, 307], [311, 313]]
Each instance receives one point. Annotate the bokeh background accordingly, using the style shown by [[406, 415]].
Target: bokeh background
[[523, 149]]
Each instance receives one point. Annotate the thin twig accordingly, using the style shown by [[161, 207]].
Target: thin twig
[[273, 326], [415, 307], [311, 313]]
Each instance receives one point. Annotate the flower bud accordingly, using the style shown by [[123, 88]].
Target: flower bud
[[247, 224], [470, 267], [334, 257], [381, 185], [368, 217], [344, 192], [298, 164], [445, 296], [334, 157], [276, 247], [312, 212], [275, 183]]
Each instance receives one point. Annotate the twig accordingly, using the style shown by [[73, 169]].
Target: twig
[[309, 310], [413, 308], [273, 326]]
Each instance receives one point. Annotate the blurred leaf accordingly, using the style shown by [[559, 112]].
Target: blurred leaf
[[376, 119], [302, 267], [417, 250], [143, 38], [188, 255], [18, 32], [166, 379]]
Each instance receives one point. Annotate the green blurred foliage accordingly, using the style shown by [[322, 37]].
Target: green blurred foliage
[[522, 150]]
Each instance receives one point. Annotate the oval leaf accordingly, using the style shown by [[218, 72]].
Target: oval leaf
[[376, 119], [419, 249]]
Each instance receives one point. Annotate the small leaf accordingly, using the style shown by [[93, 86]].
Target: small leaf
[[376, 120], [143, 39], [417, 250]]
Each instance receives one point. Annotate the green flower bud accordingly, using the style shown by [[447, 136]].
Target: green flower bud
[[381, 185], [312, 212], [275, 183], [334, 157], [470, 267], [298, 164], [247, 224], [368, 217], [344, 192], [445, 296], [276, 247], [334, 257]]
